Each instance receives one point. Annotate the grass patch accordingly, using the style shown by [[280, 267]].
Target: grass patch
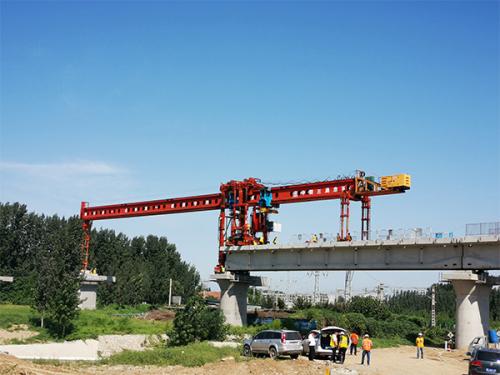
[[109, 321], [379, 343], [14, 314], [192, 355], [89, 323]]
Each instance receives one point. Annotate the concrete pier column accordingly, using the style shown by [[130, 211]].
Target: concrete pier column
[[88, 295], [472, 305], [88, 289], [233, 300]]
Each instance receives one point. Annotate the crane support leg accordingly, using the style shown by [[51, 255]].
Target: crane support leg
[[365, 218], [86, 226], [344, 234], [222, 241]]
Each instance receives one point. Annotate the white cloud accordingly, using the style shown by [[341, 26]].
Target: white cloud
[[59, 187], [62, 169]]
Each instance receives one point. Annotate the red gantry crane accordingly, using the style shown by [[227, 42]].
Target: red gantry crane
[[245, 207]]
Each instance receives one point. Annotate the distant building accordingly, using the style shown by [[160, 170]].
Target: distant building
[[208, 294]]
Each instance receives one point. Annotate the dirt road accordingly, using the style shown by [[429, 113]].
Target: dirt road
[[394, 361]]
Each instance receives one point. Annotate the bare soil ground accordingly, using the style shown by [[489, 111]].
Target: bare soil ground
[[391, 361], [18, 331], [161, 315]]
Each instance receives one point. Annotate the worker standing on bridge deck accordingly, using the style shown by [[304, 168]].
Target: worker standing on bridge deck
[[420, 345], [366, 345]]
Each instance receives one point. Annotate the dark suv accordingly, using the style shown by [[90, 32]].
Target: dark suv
[[274, 343], [485, 361]]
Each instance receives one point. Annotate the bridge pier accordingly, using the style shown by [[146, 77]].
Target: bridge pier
[[472, 304], [88, 289], [233, 295]]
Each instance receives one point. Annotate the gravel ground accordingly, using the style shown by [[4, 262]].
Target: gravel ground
[[391, 361]]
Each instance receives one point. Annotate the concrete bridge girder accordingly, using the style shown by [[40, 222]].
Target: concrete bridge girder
[[460, 254], [478, 253]]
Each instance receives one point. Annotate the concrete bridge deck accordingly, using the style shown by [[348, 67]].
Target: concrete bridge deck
[[464, 253]]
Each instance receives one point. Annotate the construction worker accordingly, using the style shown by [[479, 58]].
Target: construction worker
[[343, 344], [334, 342], [314, 238], [312, 345], [366, 345], [354, 343], [261, 240], [420, 345]]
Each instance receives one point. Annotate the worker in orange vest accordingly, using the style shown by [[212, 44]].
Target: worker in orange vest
[[366, 345], [354, 343], [420, 345]]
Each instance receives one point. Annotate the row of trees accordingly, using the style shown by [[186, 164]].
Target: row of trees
[[405, 302], [44, 256]]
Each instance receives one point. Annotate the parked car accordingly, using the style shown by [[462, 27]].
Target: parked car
[[485, 361], [274, 343], [323, 349], [477, 343]]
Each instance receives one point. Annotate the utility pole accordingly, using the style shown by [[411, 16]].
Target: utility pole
[[348, 285], [316, 288], [170, 294], [433, 305], [380, 291]]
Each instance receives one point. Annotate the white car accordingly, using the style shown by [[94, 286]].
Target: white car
[[323, 349], [477, 343]]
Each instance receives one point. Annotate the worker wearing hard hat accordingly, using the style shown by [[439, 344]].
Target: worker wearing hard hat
[[343, 344], [334, 343], [312, 345], [366, 345], [420, 345], [354, 343]]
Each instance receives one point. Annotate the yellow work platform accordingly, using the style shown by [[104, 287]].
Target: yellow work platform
[[398, 180]]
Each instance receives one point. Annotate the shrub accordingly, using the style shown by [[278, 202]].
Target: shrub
[[369, 307], [197, 322], [356, 322]]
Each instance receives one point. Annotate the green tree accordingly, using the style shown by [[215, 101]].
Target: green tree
[[369, 307], [254, 296], [63, 249], [301, 303], [281, 304], [197, 322], [267, 302]]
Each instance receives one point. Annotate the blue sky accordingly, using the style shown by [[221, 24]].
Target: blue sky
[[117, 101]]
